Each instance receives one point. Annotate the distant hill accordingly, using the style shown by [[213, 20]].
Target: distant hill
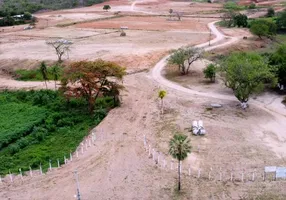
[[15, 7]]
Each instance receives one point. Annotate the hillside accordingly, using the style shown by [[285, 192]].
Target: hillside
[[14, 7]]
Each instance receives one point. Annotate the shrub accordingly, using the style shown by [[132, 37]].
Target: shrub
[[263, 28], [281, 20], [210, 72], [252, 6], [27, 16], [232, 6], [240, 20], [270, 12]]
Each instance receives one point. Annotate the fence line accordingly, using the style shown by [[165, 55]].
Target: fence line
[[211, 174]]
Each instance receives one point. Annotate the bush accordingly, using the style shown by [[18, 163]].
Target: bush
[[210, 72], [281, 20], [240, 20], [263, 28], [252, 6], [27, 16], [270, 12], [232, 6]]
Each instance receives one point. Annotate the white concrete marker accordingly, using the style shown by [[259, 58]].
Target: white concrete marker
[[21, 175], [41, 171], [199, 173], [70, 156], [31, 172], [77, 153], [58, 163], [11, 177], [149, 154], [50, 165], [189, 171], [65, 159]]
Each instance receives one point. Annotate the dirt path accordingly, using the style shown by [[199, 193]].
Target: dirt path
[[277, 125]]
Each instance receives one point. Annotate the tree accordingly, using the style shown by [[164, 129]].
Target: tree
[[228, 18], [91, 79], [245, 74], [281, 20], [270, 12], [44, 72], [56, 72], [61, 46], [210, 72], [179, 147], [27, 16], [182, 55], [278, 60], [240, 20], [263, 28], [106, 7], [161, 95]]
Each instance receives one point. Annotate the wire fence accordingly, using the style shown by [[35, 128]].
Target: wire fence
[[208, 174]]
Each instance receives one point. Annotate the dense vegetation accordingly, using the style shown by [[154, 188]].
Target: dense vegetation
[[16, 7], [36, 126]]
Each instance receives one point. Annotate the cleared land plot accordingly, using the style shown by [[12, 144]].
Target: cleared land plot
[[149, 23]]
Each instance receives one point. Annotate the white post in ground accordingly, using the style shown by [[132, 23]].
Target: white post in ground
[[0, 179], [181, 166], [253, 175], [210, 173], [41, 171], [31, 172], [242, 176], [70, 156], [21, 175], [65, 159], [50, 165], [149, 154], [199, 173], [77, 153], [231, 175], [89, 143], [85, 144], [58, 163], [145, 143], [11, 177], [93, 137], [81, 148], [189, 171]]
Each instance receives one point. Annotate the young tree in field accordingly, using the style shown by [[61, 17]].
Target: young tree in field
[[179, 147], [245, 74], [56, 72], [170, 12], [91, 79], [281, 20], [106, 7], [210, 72], [270, 12], [240, 20], [44, 72], [278, 60], [61, 46], [161, 95], [182, 55], [263, 28], [228, 18]]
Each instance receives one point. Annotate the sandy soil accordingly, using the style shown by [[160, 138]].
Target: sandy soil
[[118, 167]]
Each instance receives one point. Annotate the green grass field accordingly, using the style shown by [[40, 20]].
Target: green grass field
[[38, 126]]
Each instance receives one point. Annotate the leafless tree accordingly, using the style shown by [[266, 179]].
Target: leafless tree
[[61, 46]]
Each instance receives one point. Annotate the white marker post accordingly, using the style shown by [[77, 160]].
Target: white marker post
[[210, 173], [11, 177], [41, 171], [189, 171], [50, 165], [58, 163], [199, 173], [77, 153], [65, 159], [149, 154], [253, 175], [21, 175], [70, 156], [231, 175], [242, 176], [85, 144], [0, 179], [31, 172]]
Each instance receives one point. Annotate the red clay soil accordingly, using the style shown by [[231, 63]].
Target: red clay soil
[[148, 23]]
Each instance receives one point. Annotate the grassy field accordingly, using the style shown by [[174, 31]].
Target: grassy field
[[38, 126]]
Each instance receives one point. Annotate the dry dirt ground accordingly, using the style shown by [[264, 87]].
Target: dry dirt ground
[[117, 166]]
